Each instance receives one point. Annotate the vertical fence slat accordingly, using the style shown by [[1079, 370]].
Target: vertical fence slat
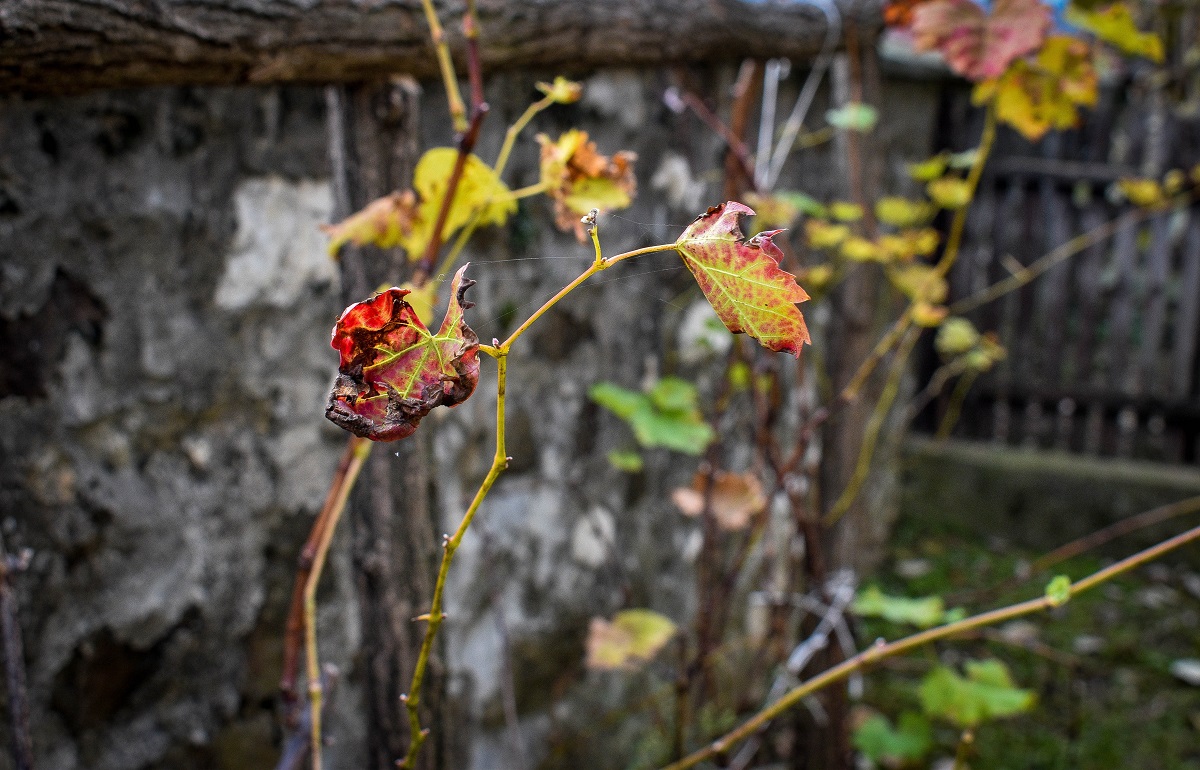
[[1184, 355]]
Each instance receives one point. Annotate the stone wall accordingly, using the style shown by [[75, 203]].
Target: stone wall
[[165, 306]]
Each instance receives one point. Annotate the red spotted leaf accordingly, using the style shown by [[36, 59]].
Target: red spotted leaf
[[742, 280], [393, 371], [976, 44]]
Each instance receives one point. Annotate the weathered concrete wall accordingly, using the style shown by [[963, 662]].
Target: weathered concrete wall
[[165, 305]]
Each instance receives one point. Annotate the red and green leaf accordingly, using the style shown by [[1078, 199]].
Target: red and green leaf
[[393, 371], [978, 45], [742, 280]]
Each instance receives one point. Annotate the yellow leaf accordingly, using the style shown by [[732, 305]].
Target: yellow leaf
[[1143, 193], [949, 192], [906, 244], [929, 170], [479, 190], [844, 211], [1035, 96], [857, 249], [902, 212], [1115, 25], [929, 316], [817, 278], [823, 235], [920, 283]]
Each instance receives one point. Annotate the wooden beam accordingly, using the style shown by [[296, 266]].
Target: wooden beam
[[55, 46]]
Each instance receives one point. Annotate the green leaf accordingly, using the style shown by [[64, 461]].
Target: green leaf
[[742, 280], [673, 395], [620, 401], [680, 427], [632, 637], [853, 116], [1058, 590], [626, 460], [922, 612], [887, 745], [987, 692]]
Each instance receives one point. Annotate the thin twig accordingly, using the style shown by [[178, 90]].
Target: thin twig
[[881, 650], [361, 449]]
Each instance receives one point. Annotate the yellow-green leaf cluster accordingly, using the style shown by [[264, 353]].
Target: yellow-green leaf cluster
[[1034, 96]]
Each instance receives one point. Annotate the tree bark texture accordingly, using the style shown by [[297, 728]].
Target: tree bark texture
[[373, 143], [73, 45]]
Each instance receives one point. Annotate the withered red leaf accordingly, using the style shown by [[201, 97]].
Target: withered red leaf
[[742, 279], [393, 371]]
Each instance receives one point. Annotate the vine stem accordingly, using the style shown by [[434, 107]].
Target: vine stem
[[294, 633], [357, 450], [458, 111], [500, 460], [881, 650], [874, 427]]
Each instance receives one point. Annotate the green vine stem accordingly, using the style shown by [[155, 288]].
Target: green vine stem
[[500, 461], [881, 650], [458, 111], [357, 452], [874, 427]]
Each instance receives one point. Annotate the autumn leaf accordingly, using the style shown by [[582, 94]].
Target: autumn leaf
[[631, 638], [1034, 96], [978, 45], [742, 280], [736, 497], [1115, 25], [393, 371], [580, 179], [384, 222]]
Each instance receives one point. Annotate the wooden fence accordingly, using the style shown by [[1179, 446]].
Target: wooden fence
[[1102, 347]]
